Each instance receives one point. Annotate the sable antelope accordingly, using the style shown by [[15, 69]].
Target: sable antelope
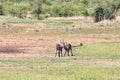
[[67, 47], [58, 50]]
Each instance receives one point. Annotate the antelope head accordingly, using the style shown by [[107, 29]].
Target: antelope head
[[63, 42]]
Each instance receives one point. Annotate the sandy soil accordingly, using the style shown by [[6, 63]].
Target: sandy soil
[[18, 47], [32, 47]]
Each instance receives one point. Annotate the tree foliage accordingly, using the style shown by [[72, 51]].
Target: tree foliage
[[1, 10], [107, 10], [99, 9], [37, 7]]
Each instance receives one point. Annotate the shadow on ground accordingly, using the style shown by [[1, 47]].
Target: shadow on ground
[[10, 50]]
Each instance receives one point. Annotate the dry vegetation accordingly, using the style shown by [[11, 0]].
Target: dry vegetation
[[28, 49]]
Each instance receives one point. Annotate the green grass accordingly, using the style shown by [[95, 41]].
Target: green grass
[[55, 69], [99, 50], [61, 28], [63, 68], [47, 68], [18, 20], [22, 21]]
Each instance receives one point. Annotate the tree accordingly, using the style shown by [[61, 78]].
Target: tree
[[99, 14], [37, 5], [17, 1], [1, 10], [106, 11]]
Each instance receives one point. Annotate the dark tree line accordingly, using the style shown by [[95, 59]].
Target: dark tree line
[[108, 11], [99, 9]]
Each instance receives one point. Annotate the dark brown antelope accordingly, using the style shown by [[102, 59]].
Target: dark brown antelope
[[58, 50], [67, 47]]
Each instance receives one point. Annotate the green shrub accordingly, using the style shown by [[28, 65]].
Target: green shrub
[[108, 10], [18, 10], [1, 10], [99, 14], [65, 8]]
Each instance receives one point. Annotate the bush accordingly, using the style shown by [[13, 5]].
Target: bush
[[64, 10], [106, 11], [1, 10], [18, 10], [99, 14]]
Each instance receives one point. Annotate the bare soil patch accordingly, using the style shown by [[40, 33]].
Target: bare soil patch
[[15, 48], [43, 46], [21, 47]]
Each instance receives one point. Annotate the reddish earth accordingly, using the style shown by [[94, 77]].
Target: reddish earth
[[39, 46], [19, 47], [45, 47], [46, 42]]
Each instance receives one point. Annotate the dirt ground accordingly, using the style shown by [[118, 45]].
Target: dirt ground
[[40, 46], [19, 47]]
